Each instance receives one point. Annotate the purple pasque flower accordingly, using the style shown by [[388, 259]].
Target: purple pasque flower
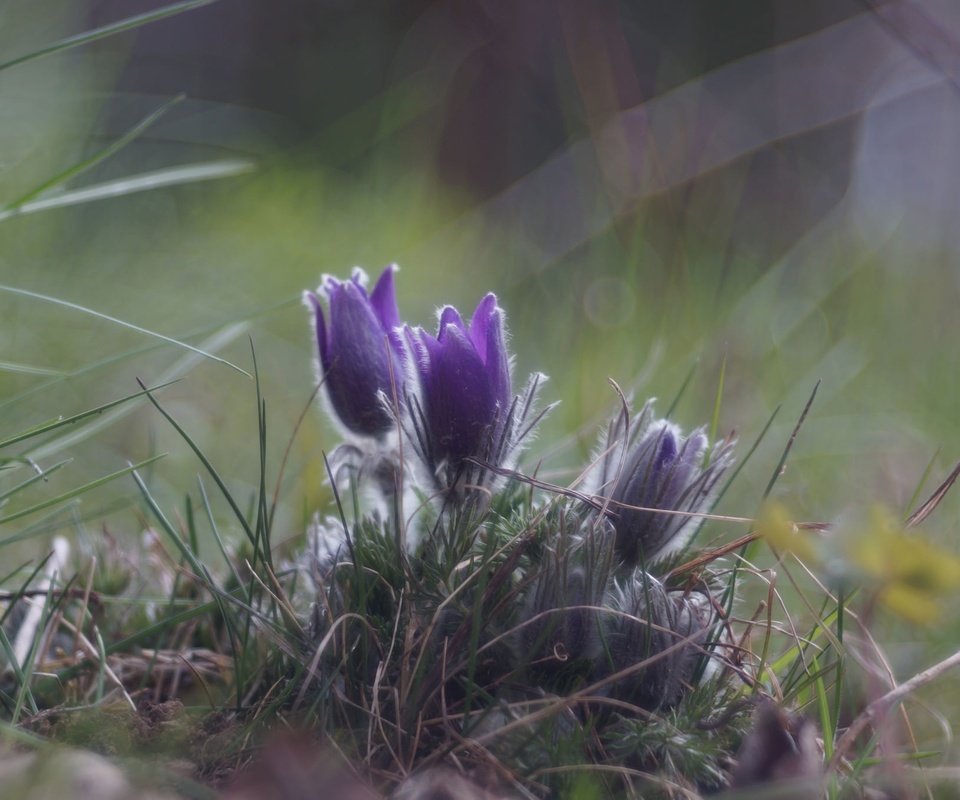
[[649, 467], [361, 353], [462, 413]]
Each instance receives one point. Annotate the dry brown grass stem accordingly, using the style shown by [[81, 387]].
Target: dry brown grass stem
[[877, 709]]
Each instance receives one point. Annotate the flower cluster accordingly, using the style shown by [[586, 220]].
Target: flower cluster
[[590, 606], [449, 394], [590, 617]]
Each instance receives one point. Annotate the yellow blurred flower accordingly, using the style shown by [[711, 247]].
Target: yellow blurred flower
[[911, 575]]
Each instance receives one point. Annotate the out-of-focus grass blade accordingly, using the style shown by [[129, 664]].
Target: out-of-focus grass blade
[[46, 427], [81, 167], [915, 497], [46, 523], [15, 733], [789, 445], [39, 476], [746, 458], [16, 669], [122, 323], [715, 419], [182, 366], [79, 39], [682, 390], [928, 507], [117, 358], [251, 536], [28, 369], [142, 182], [826, 723], [61, 498], [216, 531]]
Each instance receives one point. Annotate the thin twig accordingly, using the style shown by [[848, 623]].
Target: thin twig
[[878, 708]]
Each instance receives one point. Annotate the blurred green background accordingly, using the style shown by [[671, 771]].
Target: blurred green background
[[653, 191]]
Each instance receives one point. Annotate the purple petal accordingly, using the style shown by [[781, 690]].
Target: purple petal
[[383, 299], [498, 362], [481, 322], [449, 316], [459, 398], [358, 277], [414, 339], [319, 326], [666, 450], [694, 448], [359, 361]]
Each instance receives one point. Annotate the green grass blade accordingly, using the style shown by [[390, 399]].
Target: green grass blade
[[14, 666], [39, 476], [715, 418], [823, 706], [95, 34], [101, 155], [209, 467], [238, 325], [262, 550], [216, 531], [52, 601], [181, 367], [132, 184], [789, 446], [746, 458], [62, 498], [682, 390], [175, 538], [122, 323], [29, 369], [47, 427]]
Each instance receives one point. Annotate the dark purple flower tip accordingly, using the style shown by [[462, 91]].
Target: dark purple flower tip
[[464, 376], [663, 471], [361, 353], [666, 451]]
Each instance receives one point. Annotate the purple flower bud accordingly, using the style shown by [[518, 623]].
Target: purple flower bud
[[648, 623], [360, 350], [464, 408], [661, 471], [559, 637]]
